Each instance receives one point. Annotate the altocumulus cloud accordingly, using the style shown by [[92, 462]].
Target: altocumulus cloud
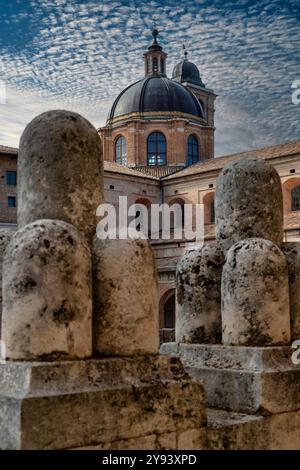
[[79, 55]]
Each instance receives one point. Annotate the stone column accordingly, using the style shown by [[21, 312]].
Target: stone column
[[292, 253], [198, 295], [5, 237], [60, 171], [125, 320], [248, 203], [47, 298], [255, 295]]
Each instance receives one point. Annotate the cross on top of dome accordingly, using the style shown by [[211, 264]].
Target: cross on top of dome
[[155, 46], [185, 52], [155, 57]]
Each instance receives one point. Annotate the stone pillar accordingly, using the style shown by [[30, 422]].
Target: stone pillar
[[5, 237], [125, 319], [248, 203], [60, 171], [47, 299], [255, 295], [292, 253], [198, 295]]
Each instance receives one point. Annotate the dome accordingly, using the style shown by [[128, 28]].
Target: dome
[[156, 94], [186, 71]]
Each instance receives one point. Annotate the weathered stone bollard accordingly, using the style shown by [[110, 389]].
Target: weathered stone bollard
[[47, 297], [292, 253], [5, 237], [49, 401], [255, 295], [248, 203], [198, 295], [125, 318], [60, 171]]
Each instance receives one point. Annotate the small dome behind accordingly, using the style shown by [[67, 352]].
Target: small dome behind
[[186, 71]]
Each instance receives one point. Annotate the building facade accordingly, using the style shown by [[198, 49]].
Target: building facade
[[8, 185], [158, 146]]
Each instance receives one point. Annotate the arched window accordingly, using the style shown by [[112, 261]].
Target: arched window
[[177, 218], [193, 150], [162, 65], [296, 198], [155, 65], [156, 149], [120, 151], [167, 316], [143, 216], [212, 211], [169, 313], [209, 208]]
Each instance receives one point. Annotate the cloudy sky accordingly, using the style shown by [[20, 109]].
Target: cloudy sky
[[79, 55]]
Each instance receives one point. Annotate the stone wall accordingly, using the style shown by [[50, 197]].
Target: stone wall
[[7, 163], [79, 315]]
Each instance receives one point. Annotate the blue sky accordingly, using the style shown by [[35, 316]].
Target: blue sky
[[79, 55]]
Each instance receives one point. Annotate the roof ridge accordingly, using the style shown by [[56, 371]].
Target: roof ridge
[[265, 153], [117, 168], [7, 148], [268, 147]]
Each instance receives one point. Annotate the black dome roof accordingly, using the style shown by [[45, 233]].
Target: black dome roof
[[186, 71], [156, 94]]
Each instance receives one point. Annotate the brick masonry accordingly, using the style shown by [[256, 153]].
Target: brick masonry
[[8, 162], [195, 184]]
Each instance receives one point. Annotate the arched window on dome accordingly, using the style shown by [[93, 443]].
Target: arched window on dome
[[120, 151], [296, 198], [193, 150], [156, 149]]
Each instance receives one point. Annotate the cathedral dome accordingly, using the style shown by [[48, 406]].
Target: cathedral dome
[[156, 93], [186, 71]]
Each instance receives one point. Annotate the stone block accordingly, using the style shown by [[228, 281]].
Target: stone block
[[243, 379], [192, 439], [236, 431], [97, 402]]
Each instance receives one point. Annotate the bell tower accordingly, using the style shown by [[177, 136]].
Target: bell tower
[[155, 58], [187, 73]]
